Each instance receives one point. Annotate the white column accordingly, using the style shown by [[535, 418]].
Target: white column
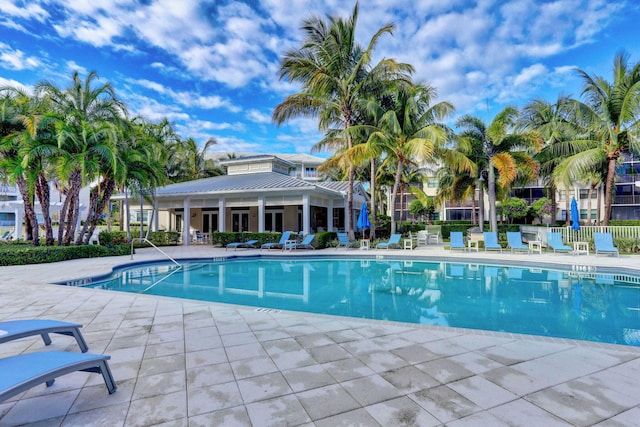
[[222, 214], [347, 219], [17, 231], [186, 222], [261, 214], [306, 214], [330, 216], [156, 220]]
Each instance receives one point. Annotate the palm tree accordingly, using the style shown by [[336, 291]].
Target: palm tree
[[188, 162], [18, 128], [335, 74], [609, 120], [409, 133], [553, 122], [505, 151], [88, 119], [462, 172]]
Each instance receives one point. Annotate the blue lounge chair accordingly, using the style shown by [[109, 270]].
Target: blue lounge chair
[[247, 244], [343, 241], [305, 244], [514, 241], [554, 241], [456, 270], [22, 372], [6, 236], [491, 241], [457, 240], [394, 241], [277, 245], [604, 244], [16, 329]]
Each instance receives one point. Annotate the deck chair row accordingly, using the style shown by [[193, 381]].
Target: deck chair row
[[22, 372], [603, 242]]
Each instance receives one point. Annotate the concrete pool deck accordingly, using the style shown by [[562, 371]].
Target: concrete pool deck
[[183, 362]]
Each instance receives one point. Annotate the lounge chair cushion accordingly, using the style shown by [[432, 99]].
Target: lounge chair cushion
[[394, 241], [22, 372], [283, 239], [16, 329], [247, 244]]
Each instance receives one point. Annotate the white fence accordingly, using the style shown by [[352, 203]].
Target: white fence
[[585, 234]]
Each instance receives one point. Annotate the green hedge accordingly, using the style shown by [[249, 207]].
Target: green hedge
[[323, 239], [626, 222], [23, 254], [224, 238], [158, 238]]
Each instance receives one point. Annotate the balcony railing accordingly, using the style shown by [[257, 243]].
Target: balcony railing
[[627, 200]]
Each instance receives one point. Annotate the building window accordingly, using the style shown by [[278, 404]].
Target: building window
[[7, 219], [584, 194], [432, 183], [584, 213]]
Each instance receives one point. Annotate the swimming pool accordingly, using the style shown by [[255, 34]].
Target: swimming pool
[[603, 307]]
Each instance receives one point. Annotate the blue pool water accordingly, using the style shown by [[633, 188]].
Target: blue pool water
[[566, 304]]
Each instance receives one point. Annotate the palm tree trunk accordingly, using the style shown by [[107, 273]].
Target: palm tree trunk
[[567, 206], [599, 207], [44, 196], [493, 219], [394, 194], [591, 187], [29, 211], [372, 231], [481, 207], [74, 206], [107, 190], [608, 194], [83, 236], [554, 203], [128, 216], [141, 213]]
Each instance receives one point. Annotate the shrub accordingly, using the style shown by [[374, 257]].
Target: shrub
[[23, 254], [158, 238]]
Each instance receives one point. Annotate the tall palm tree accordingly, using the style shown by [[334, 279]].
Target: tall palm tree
[[610, 120], [553, 122], [506, 151], [335, 74], [88, 118], [19, 125], [409, 133]]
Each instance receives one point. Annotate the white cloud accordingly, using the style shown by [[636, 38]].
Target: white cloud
[[23, 9], [188, 99], [258, 117], [528, 74], [72, 66], [15, 84], [14, 59]]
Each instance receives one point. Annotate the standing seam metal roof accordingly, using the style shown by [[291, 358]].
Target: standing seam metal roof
[[252, 181]]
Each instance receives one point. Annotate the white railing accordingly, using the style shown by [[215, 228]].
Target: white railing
[[145, 240], [585, 234]]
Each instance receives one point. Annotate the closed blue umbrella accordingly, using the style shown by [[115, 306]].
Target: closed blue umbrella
[[363, 218], [575, 215]]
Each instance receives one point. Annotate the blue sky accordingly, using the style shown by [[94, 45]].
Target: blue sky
[[211, 67]]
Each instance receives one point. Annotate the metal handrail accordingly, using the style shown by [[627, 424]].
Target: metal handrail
[[144, 239]]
